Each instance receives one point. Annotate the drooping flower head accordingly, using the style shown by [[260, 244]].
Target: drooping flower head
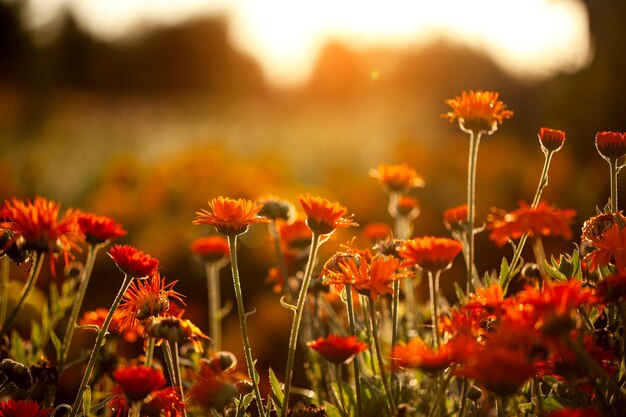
[[611, 145], [551, 140], [21, 408], [38, 224], [544, 220], [430, 253], [137, 381], [455, 218], [230, 217], [144, 299], [99, 229], [324, 216], [133, 262], [211, 249], [478, 111], [175, 329], [337, 349], [397, 178]]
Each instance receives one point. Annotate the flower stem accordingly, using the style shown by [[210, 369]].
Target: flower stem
[[4, 286], [357, 376], [176, 366], [342, 405], [388, 397], [98, 345], [280, 257], [464, 390], [433, 281], [613, 170], [28, 288], [540, 258], [215, 304], [500, 408], [471, 194], [543, 182], [169, 362], [232, 244], [78, 302], [149, 354], [297, 318]]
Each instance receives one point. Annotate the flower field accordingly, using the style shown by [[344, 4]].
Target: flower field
[[530, 335]]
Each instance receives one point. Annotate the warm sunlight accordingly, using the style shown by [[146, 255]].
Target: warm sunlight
[[526, 37]]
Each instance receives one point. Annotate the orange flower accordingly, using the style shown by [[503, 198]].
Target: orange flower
[[478, 111], [137, 381], [133, 262], [296, 235], [337, 349], [542, 221], [455, 217], [551, 140], [230, 217], [99, 229], [145, 299], [97, 316], [408, 207], [490, 298], [397, 178], [376, 231], [211, 249], [21, 408], [430, 253], [611, 145], [324, 216], [37, 222], [416, 354], [610, 246]]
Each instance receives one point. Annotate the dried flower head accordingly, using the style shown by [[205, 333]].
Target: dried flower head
[[38, 225], [99, 229], [337, 349], [211, 249], [430, 253], [551, 140], [544, 220], [133, 262], [324, 216], [276, 209], [21, 408], [478, 111], [230, 217], [145, 299], [611, 145], [16, 373], [174, 329], [399, 178], [596, 225]]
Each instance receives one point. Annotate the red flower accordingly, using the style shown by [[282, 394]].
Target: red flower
[[324, 216], [611, 145], [416, 354], [541, 221], [296, 235], [337, 349], [38, 223], [478, 111], [133, 262], [455, 216], [12, 408], [211, 248], [213, 385], [613, 287], [165, 402], [230, 217], [97, 316], [430, 253], [551, 140], [137, 381], [144, 299], [99, 229], [397, 178], [575, 412], [610, 246], [408, 206]]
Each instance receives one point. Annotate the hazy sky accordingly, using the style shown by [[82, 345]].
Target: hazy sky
[[527, 37]]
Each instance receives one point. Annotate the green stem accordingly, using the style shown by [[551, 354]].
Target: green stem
[[538, 395], [471, 195], [540, 259], [78, 302], [98, 345], [613, 170], [232, 243], [357, 376], [543, 182], [169, 362], [342, 405], [4, 286], [28, 288], [434, 301], [388, 397], [149, 354], [179, 378], [464, 390], [500, 408], [215, 304], [280, 257], [297, 318]]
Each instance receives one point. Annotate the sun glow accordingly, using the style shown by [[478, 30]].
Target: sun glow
[[526, 37]]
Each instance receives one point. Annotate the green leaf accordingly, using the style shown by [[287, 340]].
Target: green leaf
[[331, 410], [550, 404], [242, 404], [87, 401], [214, 412], [504, 270], [96, 407], [58, 345], [19, 354], [35, 335], [277, 393]]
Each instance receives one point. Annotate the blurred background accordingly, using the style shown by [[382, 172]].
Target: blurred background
[[144, 110]]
